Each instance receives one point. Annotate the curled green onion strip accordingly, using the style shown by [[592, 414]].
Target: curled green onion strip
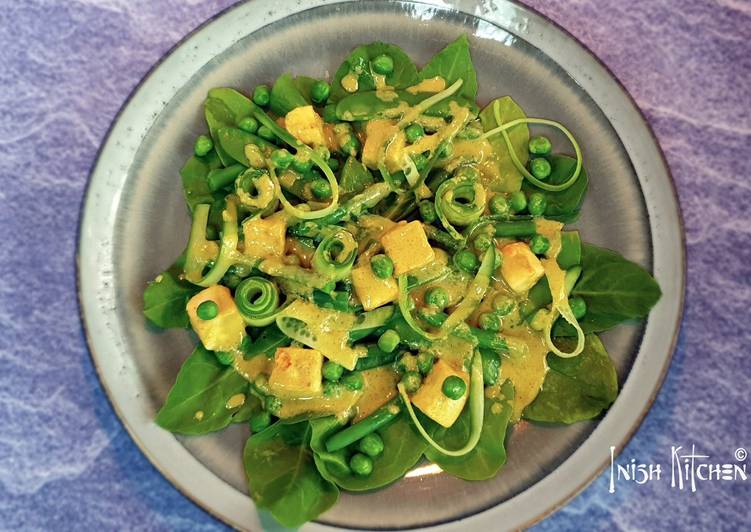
[[228, 249], [459, 201], [475, 292], [255, 189], [407, 313], [476, 411], [335, 255], [503, 129], [257, 299]]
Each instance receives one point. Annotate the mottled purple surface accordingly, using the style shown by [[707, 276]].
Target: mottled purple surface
[[67, 67]]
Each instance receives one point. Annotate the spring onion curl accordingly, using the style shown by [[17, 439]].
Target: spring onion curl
[[475, 292], [299, 147], [560, 306], [255, 189], [451, 211], [199, 251], [257, 299], [335, 255], [476, 411], [228, 249], [515, 159], [407, 313]]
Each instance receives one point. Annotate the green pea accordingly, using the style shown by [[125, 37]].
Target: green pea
[[231, 280], [361, 465], [208, 310], [332, 371], [578, 307], [489, 321], [225, 358], [282, 158], [537, 204], [321, 189], [466, 260], [332, 389], [454, 387], [261, 95], [412, 381], [389, 341], [333, 164], [432, 315], [203, 145], [491, 367], [382, 266], [427, 212], [425, 362], [482, 242], [383, 65], [329, 114], [407, 362], [414, 132], [503, 304], [353, 381], [447, 150], [371, 445], [319, 92], [517, 201], [351, 146], [248, 124], [539, 244], [302, 163], [540, 168], [499, 205], [540, 145], [437, 297], [259, 421], [272, 404], [266, 134]]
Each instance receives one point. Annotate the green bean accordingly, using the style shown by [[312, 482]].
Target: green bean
[[370, 424], [515, 228], [441, 238], [223, 177], [375, 358]]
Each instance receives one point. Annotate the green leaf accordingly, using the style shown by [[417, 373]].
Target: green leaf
[[193, 175], [225, 107], [282, 475], [204, 385], [576, 388], [304, 85], [285, 96], [165, 298], [403, 75], [485, 460], [403, 447], [510, 177], [615, 290], [233, 142], [563, 205], [354, 177], [270, 338], [452, 63]]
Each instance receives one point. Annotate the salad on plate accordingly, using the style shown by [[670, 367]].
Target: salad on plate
[[378, 273]]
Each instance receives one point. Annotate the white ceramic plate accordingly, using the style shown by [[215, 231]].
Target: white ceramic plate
[[135, 223]]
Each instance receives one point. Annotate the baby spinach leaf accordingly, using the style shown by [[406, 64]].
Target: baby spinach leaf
[[282, 475], [193, 175], [197, 403], [354, 177], [510, 177], [304, 85], [563, 205], [485, 460], [402, 449], [225, 107], [233, 142], [615, 290], [403, 75], [165, 298], [452, 63], [363, 106], [267, 342], [576, 388], [285, 96]]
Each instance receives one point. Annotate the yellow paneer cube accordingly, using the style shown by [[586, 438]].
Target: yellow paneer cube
[[296, 373], [431, 400], [521, 269], [407, 245], [306, 126], [373, 291], [265, 237], [226, 330]]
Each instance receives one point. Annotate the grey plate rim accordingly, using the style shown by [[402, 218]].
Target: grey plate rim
[[497, 18]]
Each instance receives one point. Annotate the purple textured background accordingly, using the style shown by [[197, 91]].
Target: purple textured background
[[67, 67]]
